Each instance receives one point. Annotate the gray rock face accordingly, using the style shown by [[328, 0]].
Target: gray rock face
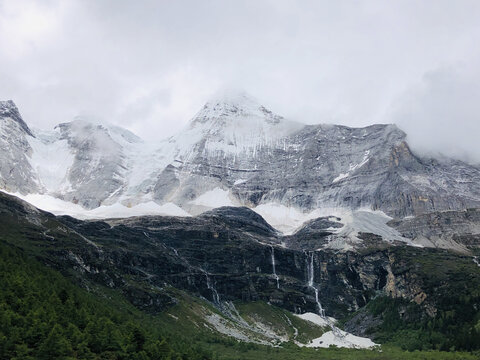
[[99, 167], [16, 172], [237, 146], [8, 110], [459, 230], [231, 249], [79, 162], [314, 233], [311, 167]]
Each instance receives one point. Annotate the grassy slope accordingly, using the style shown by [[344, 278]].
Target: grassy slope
[[29, 286], [281, 319]]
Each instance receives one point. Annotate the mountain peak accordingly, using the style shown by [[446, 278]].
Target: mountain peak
[[8, 109], [234, 104], [233, 97]]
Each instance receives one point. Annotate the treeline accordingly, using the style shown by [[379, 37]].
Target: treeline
[[454, 328], [452, 283], [44, 316]]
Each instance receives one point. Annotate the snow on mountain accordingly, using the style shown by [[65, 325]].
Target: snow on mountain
[[51, 158], [8, 110], [16, 172], [234, 124], [214, 198], [234, 152], [61, 207]]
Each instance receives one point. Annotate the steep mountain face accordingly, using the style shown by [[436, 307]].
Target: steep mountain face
[[99, 165], [459, 230], [319, 166], [16, 172], [79, 162], [224, 145], [234, 152], [308, 224], [232, 254]]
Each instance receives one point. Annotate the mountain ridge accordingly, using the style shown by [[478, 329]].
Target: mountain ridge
[[243, 155]]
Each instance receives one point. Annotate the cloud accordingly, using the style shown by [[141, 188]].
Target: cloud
[[150, 65], [441, 115]]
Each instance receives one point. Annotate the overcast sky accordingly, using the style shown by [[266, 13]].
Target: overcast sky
[[150, 65]]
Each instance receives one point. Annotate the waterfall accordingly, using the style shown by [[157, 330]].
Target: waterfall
[[211, 287], [311, 275], [273, 266]]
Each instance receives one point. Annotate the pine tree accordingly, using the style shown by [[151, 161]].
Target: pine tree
[[55, 346]]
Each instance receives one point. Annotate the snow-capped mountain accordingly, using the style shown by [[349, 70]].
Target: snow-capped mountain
[[237, 150], [16, 172], [233, 152]]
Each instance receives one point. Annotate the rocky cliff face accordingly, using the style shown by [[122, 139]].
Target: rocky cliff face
[[237, 148], [99, 165], [458, 230], [16, 172], [225, 255]]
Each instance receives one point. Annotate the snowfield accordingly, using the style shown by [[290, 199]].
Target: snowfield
[[213, 199], [337, 338], [59, 207], [346, 340], [285, 219]]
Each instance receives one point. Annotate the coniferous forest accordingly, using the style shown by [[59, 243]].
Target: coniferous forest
[[43, 315]]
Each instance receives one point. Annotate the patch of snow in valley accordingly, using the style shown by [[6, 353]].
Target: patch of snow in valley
[[346, 340], [239, 181], [340, 177], [476, 261], [365, 220], [338, 337], [214, 198], [289, 219], [283, 218], [117, 210], [51, 159], [316, 319]]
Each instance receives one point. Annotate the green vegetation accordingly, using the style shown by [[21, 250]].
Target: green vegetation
[[44, 316], [280, 319], [454, 321], [403, 325]]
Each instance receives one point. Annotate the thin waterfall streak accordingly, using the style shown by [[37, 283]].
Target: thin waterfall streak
[[311, 276], [274, 269], [211, 287]]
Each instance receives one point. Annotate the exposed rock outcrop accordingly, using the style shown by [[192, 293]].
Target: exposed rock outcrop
[[237, 146]]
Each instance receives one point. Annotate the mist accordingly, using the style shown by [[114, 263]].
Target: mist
[[149, 66], [441, 115]]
